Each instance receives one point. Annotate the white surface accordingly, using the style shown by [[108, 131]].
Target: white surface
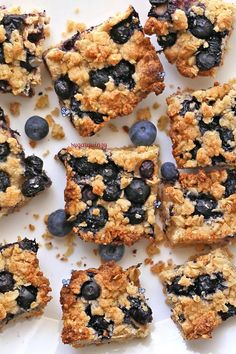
[[42, 335]]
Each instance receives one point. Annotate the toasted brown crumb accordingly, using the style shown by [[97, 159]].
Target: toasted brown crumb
[[49, 245], [47, 236], [148, 261], [33, 143], [57, 132], [79, 264], [46, 153], [47, 32], [95, 251], [200, 248], [134, 252], [160, 236], [31, 227], [152, 249], [125, 128], [143, 114], [73, 26], [70, 245], [63, 259], [113, 128], [42, 102], [55, 112], [49, 119], [15, 108], [156, 105], [36, 216], [162, 123], [158, 267], [45, 219]]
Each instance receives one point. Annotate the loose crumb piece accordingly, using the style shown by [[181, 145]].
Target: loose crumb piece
[[79, 264], [33, 143], [49, 88], [36, 216], [57, 132], [148, 261], [70, 242], [49, 245], [63, 259], [113, 128], [163, 123], [156, 105], [49, 119], [45, 219], [42, 102], [15, 108], [158, 267], [152, 249], [47, 236], [143, 114], [31, 227], [46, 153], [55, 112], [125, 128], [73, 26]]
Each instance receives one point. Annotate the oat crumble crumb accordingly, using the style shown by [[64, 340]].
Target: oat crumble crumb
[[57, 132], [113, 127], [15, 108], [55, 112], [33, 143], [46, 153], [156, 105], [36, 216], [158, 267], [42, 102], [148, 261], [143, 114], [49, 119], [163, 123], [125, 128], [31, 227], [152, 249], [49, 245]]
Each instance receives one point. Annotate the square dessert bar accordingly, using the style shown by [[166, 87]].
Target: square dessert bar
[[203, 126], [110, 194], [200, 207], [23, 288], [103, 72], [21, 41], [104, 305], [201, 293], [21, 177], [193, 34]]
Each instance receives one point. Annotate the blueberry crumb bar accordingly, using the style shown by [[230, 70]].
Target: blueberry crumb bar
[[201, 293], [23, 288], [111, 194], [193, 34], [104, 305], [200, 207], [103, 72], [203, 126], [21, 46], [21, 177]]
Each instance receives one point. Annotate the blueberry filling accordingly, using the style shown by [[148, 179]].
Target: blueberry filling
[[4, 181], [189, 105], [95, 219], [229, 313], [135, 214], [81, 165], [146, 169], [205, 204], [33, 166], [64, 88], [194, 151], [4, 86], [4, 151], [137, 191], [99, 77], [6, 281], [96, 117], [35, 37], [103, 328], [167, 40], [140, 311], [30, 245], [213, 125], [34, 185], [122, 31], [112, 192], [230, 183], [109, 171], [31, 62], [90, 290], [207, 58], [162, 10], [88, 195], [200, 26], [2, 59], [216, 160], [12, 22], [27, 295], [69, 43]]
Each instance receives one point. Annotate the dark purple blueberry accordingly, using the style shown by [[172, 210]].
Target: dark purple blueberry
[[27, 295], [136, 215], [33, 166], [229, 313], [64, 88], [140, 311], [30, 245], [90, 290], [4, 181], [111, 252], [103, 328], [215, 43], [4, 151], [205, 60], [169, 172], [205, 204], [57, 223], [146, 169], [168, 40], [31, 62], [157, 2], [137, 191], [189, 105], [2, 58], [200, 26], [122, 74], [206, 284], [4, 86], [81, 165], [99, 77], [175, 288], [87, 194], [96, 117], [218, 160], [112, 192], [70, 43], [122, 31], [194, 151], [230, 183], [34, 185], [143, 133], [35, 37], [213, 125], [36, 128], [95, 218], [6, 281], [109, 171], [12, 22], [226, 136]]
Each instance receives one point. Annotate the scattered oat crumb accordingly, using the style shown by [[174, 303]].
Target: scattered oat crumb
[[125, 128], [36, 216], [162, 123], [113, 128], [31, 227], [73, 26], [79, 264], [95, 251], [47, 236], [49, 119], [158, 267], [143, 114], [47, 32], [42, 102], [57, 132], [45, 219], [33, 143], [156, 105], [70, 245], [77, 11], [49, 245], [159, 236], [15, 108], [55, 112], [49, 88], [148, 261], [152, 249], [134, 252], [46, 153], [63, 259]]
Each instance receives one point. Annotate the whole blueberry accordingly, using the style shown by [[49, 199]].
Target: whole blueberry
[[137, 191], [139, 311], [4, 181], [58, 224], [111, 252], [30, 245], [112, 192], [204, 205], [90, 290], [99, 78], [200, 26], [167, 40], [63, 88], [36, 128], [169, 171], [122, 74], [109, 171], [87, 194], [205, 60], [122, 31], [146, 169], [34, 185], [6, 281], [27, 295], [4, 151], [143, 133], [135, 214]]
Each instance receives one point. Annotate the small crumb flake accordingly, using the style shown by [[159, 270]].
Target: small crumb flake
[[156, 105], [95, 251], [36, 216], [57, 132], [42, 102], [45, 219], [49, 245], [49, 119], [47, 236], [148, 261], [125, 128], [152, 249], [70, 243], [31, 227], [77, 11], [15, 108], [113, 128], [143, 114], [79, 264], [55, 112], [73, 26], [33, 143], [46, 153], [163, 123], [157, 268]]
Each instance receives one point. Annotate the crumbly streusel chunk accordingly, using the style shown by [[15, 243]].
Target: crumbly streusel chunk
[[21, 177], [203, 126], [110, 194], [201, 292], [104, 305], [193, 34], [23, 288], [21, 45], [200, 207], [103, 72]]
